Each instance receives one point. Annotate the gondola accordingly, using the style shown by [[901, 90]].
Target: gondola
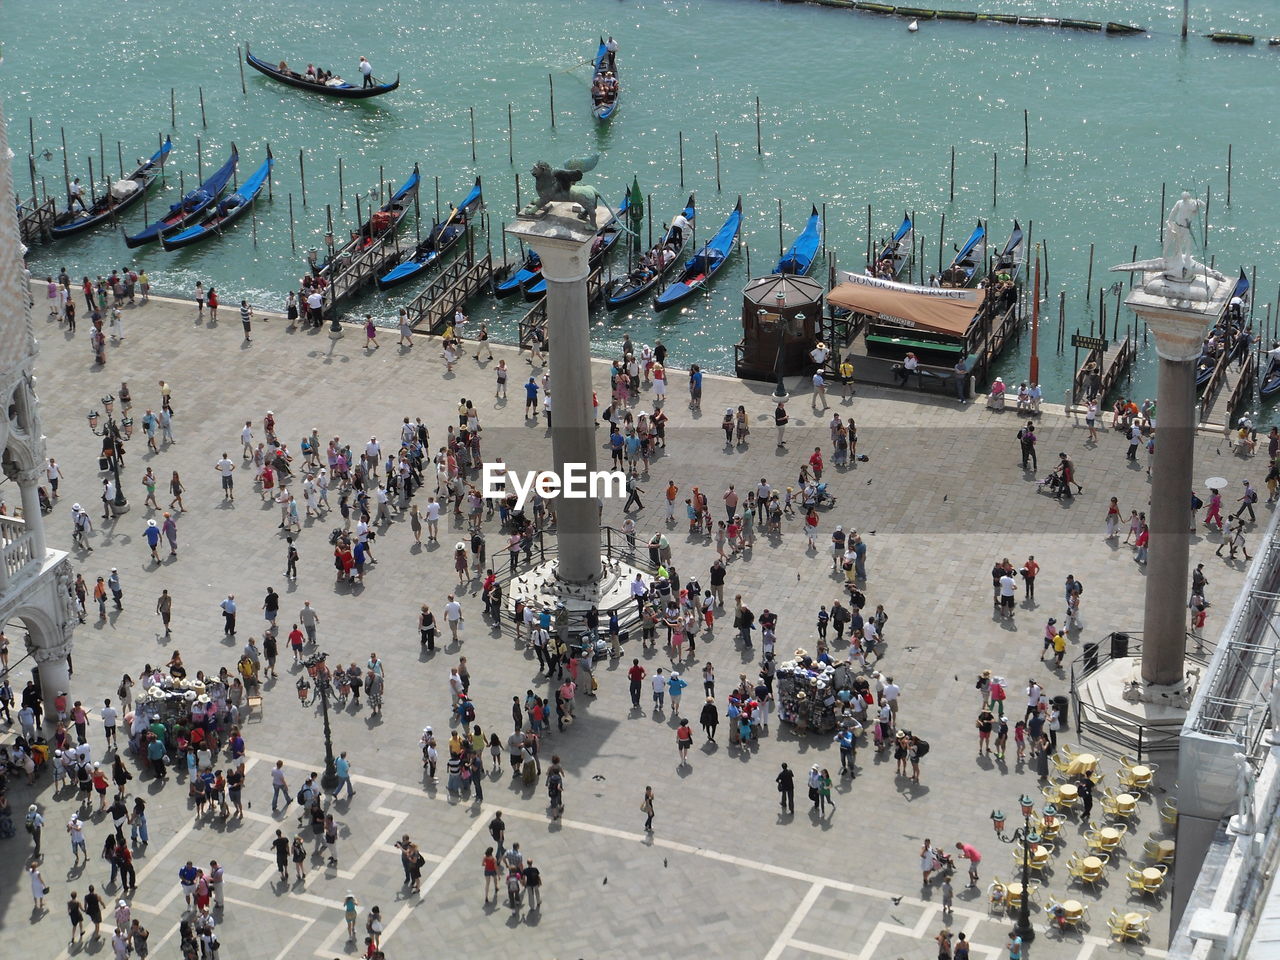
[[380, 222], [653, 265], [798, 260], [705, 264], [1012, 257], [605, 109], [229, 209], [969, 260], [1230, 327], [121, 195], [528, 273], [1271, 375], [892, 258], [606, 237], [336, 87], [440, 239], [190, 207]]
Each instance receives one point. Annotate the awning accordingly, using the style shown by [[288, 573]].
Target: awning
[[940, 309]]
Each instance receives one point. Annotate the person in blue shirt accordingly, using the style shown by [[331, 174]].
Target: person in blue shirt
[[675, 687], [615, 447], [695, 387], [152, 533], [531, 399], [848, 748], [342, 766]]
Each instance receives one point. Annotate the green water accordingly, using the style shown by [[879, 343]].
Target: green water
[[856, 111]]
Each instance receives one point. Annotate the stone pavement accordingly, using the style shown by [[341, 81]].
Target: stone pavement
[[940, 498]]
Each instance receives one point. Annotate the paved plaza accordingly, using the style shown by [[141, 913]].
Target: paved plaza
[[939, 499]]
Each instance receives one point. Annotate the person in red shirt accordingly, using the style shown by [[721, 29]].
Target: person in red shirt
[[815, 461], [636, 675], [490, 866], [971, 854], [1029, 571], [295, 643]]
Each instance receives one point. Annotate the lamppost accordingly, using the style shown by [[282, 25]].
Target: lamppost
[[329, 779], [113, 446], [1029, 837]]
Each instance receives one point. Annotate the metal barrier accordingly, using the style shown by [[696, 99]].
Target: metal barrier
[[1136, 739], [616, 547]]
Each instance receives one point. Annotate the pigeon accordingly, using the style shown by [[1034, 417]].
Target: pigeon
[[944, 498], [664, 861], [896, 900], [605, 883], [868, 483]]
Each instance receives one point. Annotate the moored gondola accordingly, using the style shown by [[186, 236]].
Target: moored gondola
[[705, 264], [798, 260], [653, 265], [119, 197], [383, 220], [440, 239], [969, 262], [190, 207], [333, 87], [892, 258], [228, 211]]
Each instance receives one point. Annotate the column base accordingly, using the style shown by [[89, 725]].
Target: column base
[[542, 583]]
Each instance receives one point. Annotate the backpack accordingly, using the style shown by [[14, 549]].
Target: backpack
[[1079, 588], [922, 748], [1252, 496]]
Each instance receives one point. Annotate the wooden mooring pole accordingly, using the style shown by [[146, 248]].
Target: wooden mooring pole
[[953, 176], [1088, 283], [552, 85], [473, 134], [240, 61], [718, 162], [680, 135], [203, 120], [292, 245], [759, 150], [302, 176]]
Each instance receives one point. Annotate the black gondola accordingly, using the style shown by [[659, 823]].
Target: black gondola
[[335, 87]]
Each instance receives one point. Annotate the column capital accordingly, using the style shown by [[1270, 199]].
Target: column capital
[[561, 238]]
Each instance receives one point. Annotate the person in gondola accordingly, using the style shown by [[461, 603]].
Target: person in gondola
[[679, 224], [311, 72], [366, 71], [611, 49], [597, 91]]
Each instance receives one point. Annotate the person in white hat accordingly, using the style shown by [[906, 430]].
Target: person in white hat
[[152, 533]]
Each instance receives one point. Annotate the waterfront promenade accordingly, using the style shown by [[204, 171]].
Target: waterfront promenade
[[940, 498]]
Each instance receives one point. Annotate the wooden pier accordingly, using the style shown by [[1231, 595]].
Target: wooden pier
[[1113, 362], [35, 220], [1229, 390], [430, 311], [347, 278], [536, 318]]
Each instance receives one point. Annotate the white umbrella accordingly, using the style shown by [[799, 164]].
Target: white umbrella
[[1216, 483]]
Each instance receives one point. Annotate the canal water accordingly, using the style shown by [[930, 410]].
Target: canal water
[[855, 110]]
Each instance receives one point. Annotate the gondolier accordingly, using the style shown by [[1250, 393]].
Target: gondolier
[[611, 48], [366, 71], [75, 195], [678, 226]]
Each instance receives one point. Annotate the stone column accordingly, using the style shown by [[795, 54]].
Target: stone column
[[563, 241], [1178, 315], [55, 674], [29, 485]]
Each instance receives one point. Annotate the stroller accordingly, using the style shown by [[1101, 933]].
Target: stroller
[[1057, 486]]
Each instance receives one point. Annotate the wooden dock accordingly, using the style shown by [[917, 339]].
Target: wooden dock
[[1113, 363], [431, 310], [35, 220], [536, 318], [361, 269], [1229, 390]]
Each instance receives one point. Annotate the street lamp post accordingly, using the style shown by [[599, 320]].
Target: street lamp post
[[115, 444], [329, 779], [1028, 837]]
